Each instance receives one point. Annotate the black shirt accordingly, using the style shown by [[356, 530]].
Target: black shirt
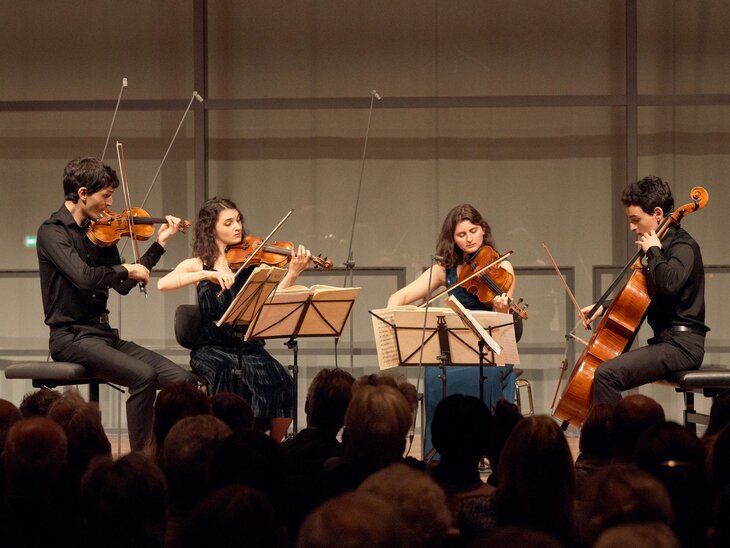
[[678, 276], [76, 274]]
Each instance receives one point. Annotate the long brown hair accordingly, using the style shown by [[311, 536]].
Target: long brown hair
[[445, 246], [204, 245]]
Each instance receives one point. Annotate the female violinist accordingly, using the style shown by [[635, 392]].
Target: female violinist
[[265, 384], [676, 313], [463, 234]]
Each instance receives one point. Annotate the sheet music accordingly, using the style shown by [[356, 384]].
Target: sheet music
[[472, 323], [401, 345], [385, 338]]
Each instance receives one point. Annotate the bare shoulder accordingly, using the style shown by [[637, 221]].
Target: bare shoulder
[[194, 264]]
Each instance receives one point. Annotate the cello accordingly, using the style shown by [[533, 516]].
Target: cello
[[619, 323]]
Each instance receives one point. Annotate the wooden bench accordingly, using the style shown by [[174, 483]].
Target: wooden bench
[[709, 381]]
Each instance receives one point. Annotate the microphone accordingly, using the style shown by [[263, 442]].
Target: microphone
[[437, 258], [375, 94], [124, 83], [197, 96]]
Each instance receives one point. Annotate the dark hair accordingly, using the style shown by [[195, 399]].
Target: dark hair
[[87, 172], [536, 479], [460, 428], [648, 193], [204, 245], [328, 397], [233, 410], [37, 404], [174, 402], [595, 433], [445, 246]]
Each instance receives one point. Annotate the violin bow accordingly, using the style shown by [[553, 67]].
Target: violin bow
[[567, 289], [128, 201], [462, 282]]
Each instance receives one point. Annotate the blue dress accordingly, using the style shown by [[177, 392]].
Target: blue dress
[[498, 384]]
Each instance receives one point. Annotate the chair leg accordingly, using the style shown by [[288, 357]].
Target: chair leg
[[524, 383]]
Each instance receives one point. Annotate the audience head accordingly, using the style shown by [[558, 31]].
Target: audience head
[[719, 472], [638, 535], [233, 410], [251, 458], [509, 537], [536, 479], [624, 494], [595, 433], [35, 458], [36, 404], [327, 399], [505, 418], [376, 424], [81, 421], [460, 429], [188, 451], [230, 517], [419, 501], [633, 416], [9, 415], [174, 402], [124, 502], [353, 520], [676, 457], [719, 413]]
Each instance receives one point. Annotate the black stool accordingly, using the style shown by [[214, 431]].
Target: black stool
[[709, 381], [52, 374]]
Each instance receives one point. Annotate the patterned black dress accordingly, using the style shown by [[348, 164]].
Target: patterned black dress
[[265, 383]]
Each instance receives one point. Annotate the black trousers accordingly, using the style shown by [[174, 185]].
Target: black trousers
[[668, 352], [105, 355]]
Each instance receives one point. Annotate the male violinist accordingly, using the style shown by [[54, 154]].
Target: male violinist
[[676, 312], [76, 276]]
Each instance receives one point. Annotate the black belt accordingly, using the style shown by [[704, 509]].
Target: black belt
[[686, 329], [104, 318]]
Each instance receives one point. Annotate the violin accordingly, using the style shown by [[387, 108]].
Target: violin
[[276, 254], [494, 281], [112, 227]]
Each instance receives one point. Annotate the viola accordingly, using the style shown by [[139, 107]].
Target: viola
[[112, 227], [492, 282], [620, 321], [274, 254]]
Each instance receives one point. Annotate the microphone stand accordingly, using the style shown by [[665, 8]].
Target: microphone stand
[[350, 263]]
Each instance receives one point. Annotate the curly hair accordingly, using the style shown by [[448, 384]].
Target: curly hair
[[648, 193], [445, 246], [204, 245]]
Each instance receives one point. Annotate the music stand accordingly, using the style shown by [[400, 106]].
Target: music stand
[[247, 303], [297, 311], [447, 339]]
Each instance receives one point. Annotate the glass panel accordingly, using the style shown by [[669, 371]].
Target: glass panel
[[473, 47], [82, 49], [683, 46]]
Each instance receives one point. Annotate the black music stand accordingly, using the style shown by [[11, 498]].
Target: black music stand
[[297, 311], [247, 304], [450, 338]]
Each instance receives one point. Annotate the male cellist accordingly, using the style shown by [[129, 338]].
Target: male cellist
[[676, 312], [76, 276]]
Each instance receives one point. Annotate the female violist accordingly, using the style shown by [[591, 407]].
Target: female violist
[[265, 383], [463, 233]]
